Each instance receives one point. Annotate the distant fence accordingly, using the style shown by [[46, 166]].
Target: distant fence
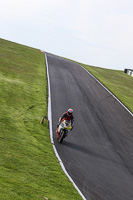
[[129, 72]]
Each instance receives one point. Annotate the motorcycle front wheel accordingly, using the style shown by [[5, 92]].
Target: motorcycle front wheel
[[62, 135]]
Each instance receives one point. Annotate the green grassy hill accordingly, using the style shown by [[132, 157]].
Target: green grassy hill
[[29, 169]]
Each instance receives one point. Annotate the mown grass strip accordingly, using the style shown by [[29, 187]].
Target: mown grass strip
[[29, 169]]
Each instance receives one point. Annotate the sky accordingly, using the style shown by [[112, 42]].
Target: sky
[[93, 32]]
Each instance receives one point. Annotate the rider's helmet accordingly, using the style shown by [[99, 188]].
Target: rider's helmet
[[70, 112]]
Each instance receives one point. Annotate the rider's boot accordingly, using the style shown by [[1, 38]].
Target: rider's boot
[[57, 133]]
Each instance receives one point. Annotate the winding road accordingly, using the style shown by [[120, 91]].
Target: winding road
[[98, 153]]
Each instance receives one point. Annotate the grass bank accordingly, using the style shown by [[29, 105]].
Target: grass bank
[[29, 169], [119, 83]]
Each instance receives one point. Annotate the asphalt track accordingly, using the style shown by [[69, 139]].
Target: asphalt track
[[98, 153]]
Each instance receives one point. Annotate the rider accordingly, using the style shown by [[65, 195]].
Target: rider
[[66, 116]]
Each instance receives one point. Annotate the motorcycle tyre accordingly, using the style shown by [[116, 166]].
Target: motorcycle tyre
[[62, 136]]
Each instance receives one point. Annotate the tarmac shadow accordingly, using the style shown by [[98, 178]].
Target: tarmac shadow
[[92, 152]]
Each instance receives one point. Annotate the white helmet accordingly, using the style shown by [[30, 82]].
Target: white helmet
[[70, 111]]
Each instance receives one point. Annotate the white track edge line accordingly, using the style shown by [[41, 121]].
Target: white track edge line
[[107, 90], [51, 132]]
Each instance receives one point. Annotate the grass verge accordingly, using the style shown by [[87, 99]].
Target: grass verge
[[29, 169], [119, 83]]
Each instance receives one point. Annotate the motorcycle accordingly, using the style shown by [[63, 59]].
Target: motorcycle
[[63, 129]]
